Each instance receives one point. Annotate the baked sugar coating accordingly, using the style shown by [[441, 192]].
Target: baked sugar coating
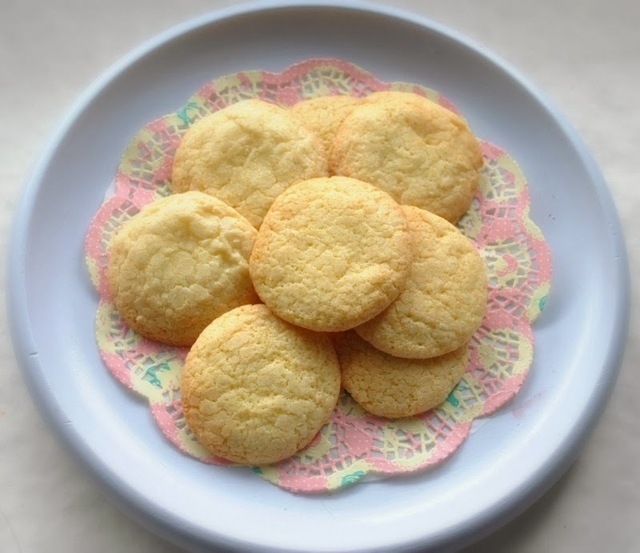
[[445, 297], [393, 387], [331, 254], [178, 264], [255, 389], [416, 150], [246, 155], [324, 115]]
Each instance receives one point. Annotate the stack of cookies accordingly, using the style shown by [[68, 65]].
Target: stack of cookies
[[303, 251]]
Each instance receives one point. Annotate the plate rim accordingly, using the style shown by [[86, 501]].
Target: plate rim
[[24, 345]]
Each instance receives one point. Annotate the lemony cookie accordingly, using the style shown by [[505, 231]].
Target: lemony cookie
[[416, 150], [445, 296], [324, 115], [331, 253], [180, 263], [256, 389], [246, 155], [393, 387]]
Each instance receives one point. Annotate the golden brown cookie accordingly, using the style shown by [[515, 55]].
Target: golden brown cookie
[[247, 154], [416, 150], [256, 389], [180, 263], [324, 115], [393, 387], [444, 299], [331, 253]]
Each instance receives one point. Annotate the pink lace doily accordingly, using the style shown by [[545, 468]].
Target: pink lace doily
[[353, 443]]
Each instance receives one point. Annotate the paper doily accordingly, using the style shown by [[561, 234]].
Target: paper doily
[[353, 443]]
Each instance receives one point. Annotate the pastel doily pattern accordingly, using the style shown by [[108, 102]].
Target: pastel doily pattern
[[353, 443]]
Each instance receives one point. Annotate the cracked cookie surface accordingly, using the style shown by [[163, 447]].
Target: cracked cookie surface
[[416, 150], [393, 387], [247, 154], [445, 296], [179, 263], [324, 115], [255, 389], [331, 253]]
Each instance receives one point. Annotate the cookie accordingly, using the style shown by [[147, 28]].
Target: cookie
[[393, 387], [178, 264], [255, 389], [331, 254], [445, 296], [324, 115], [246, 155], [416, 150]]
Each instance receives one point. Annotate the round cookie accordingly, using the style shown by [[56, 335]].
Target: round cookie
[[255, 389], [331, 254], [247, 154], [324, 115], [444, 299], [393, 387], [416, 150], [178, 264]]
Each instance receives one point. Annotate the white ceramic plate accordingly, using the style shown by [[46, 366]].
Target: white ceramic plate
[[503, 467]]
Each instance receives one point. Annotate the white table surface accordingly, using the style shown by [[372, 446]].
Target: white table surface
[[583, 54]]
